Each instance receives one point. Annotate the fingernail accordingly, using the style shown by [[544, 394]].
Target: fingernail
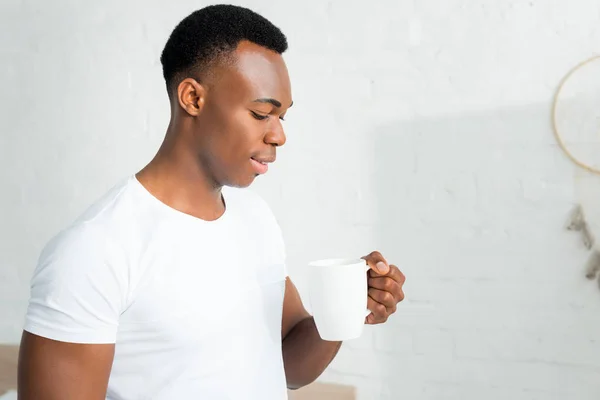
[[381, 267]]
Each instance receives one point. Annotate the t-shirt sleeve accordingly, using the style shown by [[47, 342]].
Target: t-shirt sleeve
[[78, 290]]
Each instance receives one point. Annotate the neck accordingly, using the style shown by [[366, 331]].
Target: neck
[[176, 177]]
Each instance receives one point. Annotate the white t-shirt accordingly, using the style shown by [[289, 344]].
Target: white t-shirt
[[193, 306]]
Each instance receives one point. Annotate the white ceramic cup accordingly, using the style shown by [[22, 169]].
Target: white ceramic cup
[[338, 297]]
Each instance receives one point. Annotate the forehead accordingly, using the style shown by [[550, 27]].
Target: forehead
[[257, 73]]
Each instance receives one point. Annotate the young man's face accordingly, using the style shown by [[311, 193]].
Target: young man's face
[[241, 118]]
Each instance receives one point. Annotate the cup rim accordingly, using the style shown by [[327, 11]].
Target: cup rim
[[336, 262]]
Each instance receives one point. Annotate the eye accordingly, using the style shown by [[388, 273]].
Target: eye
[[258, 116]]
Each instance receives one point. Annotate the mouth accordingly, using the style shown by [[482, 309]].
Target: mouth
[[261, 166]]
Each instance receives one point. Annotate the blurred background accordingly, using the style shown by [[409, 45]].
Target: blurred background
[[420, 128]]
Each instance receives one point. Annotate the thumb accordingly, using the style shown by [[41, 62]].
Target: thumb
[[377, 263]]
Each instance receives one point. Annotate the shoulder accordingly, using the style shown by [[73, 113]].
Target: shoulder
[[95, 231], [117, 199], [79, 235]]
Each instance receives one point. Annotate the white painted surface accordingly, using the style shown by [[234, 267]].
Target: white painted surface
[[429, 126]]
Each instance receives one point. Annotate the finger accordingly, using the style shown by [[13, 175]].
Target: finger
[[378, 314], [389, 285], [396, 275], [377, 263], [383, 297]]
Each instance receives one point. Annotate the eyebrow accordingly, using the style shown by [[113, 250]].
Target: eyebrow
[[269, 100]]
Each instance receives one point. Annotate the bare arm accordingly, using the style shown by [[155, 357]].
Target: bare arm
[[53, 370], [305, 354]]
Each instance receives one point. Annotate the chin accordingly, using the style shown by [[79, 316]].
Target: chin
[[242, 183]]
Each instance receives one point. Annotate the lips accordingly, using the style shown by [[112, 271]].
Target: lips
[[261, 164], [264, 159]]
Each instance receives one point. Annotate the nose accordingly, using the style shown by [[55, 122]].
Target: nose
[[275, 135]]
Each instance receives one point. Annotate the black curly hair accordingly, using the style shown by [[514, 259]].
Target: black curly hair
[[213, 33]]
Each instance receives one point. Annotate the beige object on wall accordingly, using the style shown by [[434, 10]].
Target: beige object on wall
[[586, 219], [576, 125], [576, 115], [324, 391], [8, 368]]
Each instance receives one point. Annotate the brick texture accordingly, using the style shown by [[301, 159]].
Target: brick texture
[[426, 124]]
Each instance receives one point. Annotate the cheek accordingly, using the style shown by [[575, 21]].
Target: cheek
[[243, 135], [233, 137], [231, 149]]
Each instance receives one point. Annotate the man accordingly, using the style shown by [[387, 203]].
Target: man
[[173, 285]]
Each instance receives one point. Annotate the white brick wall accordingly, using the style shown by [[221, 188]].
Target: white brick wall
[[429, 122]]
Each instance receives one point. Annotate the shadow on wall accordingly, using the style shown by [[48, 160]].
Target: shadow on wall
[[457, 187], [472, 208]]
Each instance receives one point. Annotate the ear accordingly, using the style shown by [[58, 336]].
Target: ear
[[191, 96]]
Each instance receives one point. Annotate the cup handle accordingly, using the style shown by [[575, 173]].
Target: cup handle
[[367, 268]]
